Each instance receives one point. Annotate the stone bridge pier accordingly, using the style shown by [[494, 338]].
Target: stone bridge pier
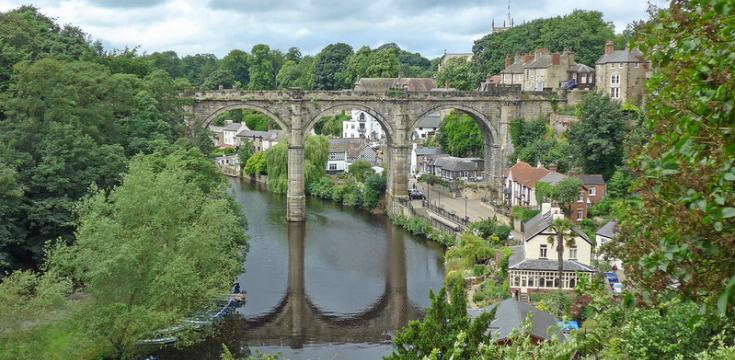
[[398, 112]]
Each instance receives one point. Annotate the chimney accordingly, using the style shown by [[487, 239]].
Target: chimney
[[517, 57], [609, 47], [527, 58], [543, 51], [555, 59], [507, 61], [228, 122], [552, 167]]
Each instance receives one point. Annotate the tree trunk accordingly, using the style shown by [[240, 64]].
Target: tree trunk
[[560, 253]]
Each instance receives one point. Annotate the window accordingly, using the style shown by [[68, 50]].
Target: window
[[637, 65], [573, 251], [580, 213], [615, 92], [580, 196], [593, 191], [615, 78], [542, 251], [332, 166], [620, 66]]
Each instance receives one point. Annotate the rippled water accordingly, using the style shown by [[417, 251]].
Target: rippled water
[[334, 287]]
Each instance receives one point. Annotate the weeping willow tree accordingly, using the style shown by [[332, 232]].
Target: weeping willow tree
[[316, 152]]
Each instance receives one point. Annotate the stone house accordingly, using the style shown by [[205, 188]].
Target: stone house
[[580, 76], [345, 151], [513, 73], [447, 56], [230, 131], [547, 71], [454, 168], [621, 74], [422, 157], [262, 140], [427, 126], [533, 266]]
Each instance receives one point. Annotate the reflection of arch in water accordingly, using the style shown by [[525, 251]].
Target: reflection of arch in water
[[270, 315]]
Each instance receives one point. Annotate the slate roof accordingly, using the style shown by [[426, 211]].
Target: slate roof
[[512, 313], [517, 261], [540, 62], [581, 68], [608, 230], [430, 121], [553, 178], [591, 179], [232, 127], [265, 135], [428, 151], [216, 129], [381, 85], [540, 222], [514, 68], [452, 163], [527, 174], [618, 56], [352, 146]]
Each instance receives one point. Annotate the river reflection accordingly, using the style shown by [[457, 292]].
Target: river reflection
[[335, 287]]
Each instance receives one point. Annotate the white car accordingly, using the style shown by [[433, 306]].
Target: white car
[[617, 288]]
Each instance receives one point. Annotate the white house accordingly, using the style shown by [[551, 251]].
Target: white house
[[345, 151], [604, 235], [533, 266], [362, 125], [520, 184], [230, 131], [427, 126]]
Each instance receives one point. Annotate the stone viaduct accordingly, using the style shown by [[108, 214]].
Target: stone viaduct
[[397, 110]]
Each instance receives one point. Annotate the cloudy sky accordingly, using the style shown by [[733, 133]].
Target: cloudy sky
[[217, 26]]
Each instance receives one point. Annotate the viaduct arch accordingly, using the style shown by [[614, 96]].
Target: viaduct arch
[[398, 111]]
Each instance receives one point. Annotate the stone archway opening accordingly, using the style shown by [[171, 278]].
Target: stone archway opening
[[478, 142]]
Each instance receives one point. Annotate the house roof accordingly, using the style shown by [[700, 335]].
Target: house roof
[[553, 178], [233, 127], [581, 68], [618, 56], [452, 163], [265, 135], [541, 222], [527, 174], [591, 179], [381, 85], [511, 314], [352, 146], [216, 129], [608, 230], [541, 61], [420, 150], [430, 121], [514, 68], [518, 261]]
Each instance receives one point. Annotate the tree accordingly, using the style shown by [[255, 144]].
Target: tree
[[619, 184], [198, 67], [459, 135], [329, 63], [245, 151], [167, 61], [237, 64], [445, 324], [597, 138], [383, 64], [219, 78], [564, 235], [360, 170], [262, 76], [138, 274], [256, 164], [356, 66], [678, 237], [457, 74], [11, 195]]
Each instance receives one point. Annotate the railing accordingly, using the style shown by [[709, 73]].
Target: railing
[[449, 215]]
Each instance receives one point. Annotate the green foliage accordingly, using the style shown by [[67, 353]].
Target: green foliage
[[445, 329], [418, 226], [245, 151], [237, 64], [597, 138], [486, 228], [563, 193], [618, 187], [432, 179], [198, 67], [524, 214], [256, 164], [330, 125], [219, 77], [316, 152], [459, 135], [361, 170], [533, 142], [457, 74], [261, 72], [328, 66], [585, 32], [470, 249], [132, 280], [682, 228]]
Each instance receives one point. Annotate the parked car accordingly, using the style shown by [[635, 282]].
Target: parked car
[[617, 288], [415, 194]]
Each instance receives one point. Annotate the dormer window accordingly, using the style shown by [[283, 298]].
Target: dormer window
[[573, 252]]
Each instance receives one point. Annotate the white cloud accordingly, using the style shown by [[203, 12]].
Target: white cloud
[[217, 26]]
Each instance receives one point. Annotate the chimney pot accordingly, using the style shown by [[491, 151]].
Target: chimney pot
[[609, 47], [527, 58], [555, 59]]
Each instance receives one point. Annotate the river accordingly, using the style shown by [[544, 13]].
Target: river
[[334, 287]]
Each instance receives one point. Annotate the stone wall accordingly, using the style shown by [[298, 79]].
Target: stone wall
[[561, 123]]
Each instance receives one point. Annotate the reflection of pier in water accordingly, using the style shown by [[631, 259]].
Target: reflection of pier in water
[[296, 321]]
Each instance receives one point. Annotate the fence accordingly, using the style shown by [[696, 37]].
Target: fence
[[449, 215]]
